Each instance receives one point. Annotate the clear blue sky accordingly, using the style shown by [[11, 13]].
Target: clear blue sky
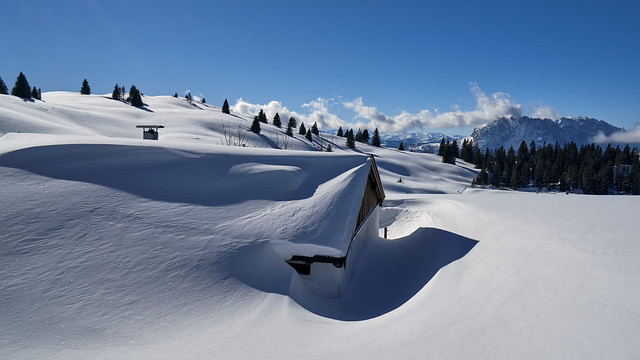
[[568, 57]]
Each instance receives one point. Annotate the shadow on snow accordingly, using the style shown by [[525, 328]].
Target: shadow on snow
[[179, 176], [387, 275]]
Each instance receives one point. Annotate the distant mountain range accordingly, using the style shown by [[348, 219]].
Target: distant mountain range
[[511, 132], [427, 143]]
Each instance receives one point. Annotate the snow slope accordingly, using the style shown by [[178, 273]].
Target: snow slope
[[115, 247]]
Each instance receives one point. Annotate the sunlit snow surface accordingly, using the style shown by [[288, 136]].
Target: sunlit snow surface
[[115, 247]]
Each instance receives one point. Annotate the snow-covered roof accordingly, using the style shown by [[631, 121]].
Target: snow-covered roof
[[312, 197]]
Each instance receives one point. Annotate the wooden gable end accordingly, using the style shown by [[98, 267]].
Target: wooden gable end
[[373, 195]]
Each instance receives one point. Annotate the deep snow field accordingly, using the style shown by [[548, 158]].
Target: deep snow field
[[112, 247]]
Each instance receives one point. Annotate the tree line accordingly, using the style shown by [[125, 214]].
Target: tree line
[[589, 168], [21, 89], [362, 136]]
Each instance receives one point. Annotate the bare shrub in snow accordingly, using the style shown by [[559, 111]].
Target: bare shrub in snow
[[282, 140], [234, 136]]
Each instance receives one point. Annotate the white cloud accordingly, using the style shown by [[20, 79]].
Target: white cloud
[[623, 137], [544, 112], [488, 108], [319, 112]]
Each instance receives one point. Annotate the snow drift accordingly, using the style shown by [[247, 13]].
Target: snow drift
[[116, 247]]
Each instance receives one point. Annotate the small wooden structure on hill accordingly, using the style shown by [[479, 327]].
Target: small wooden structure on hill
[[150, 132]]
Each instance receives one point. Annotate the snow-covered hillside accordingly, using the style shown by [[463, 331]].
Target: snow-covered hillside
[[116, 247]]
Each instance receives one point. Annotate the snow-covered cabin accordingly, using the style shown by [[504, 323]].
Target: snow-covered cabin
[[327, 267]]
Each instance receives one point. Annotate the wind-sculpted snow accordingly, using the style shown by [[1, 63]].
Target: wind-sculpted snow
[[177, 176], [115, 247]]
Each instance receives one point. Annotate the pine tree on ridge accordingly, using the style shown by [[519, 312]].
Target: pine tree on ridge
[[21, 88], [86, 89], [225, 107], [3, 87]]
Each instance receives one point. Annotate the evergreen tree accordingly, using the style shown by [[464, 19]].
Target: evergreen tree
[[34, 93], [466, 153], [340, 133], [289, 130], [262, 117], [314, 129], [441, 148], [449, 152], [509, 166], [635, 175], [225, 107], [401, 146], [483, 177], [329, 148], [358, 136], [276, 120], [39, 94], [292, 123], [123, 92], [134, 97], [308, 136], [175, 95], [21, 88], [351, 141], [85, 90], [203, 101], [375, 140], [116, 93], [255, 126], [188, 97], [455, 150], [515, 178], [3, 88], [302, 130], [365, 136], [478, 159]]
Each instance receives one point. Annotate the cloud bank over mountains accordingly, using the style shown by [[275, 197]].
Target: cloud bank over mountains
[[488, 108], [624, 137]]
